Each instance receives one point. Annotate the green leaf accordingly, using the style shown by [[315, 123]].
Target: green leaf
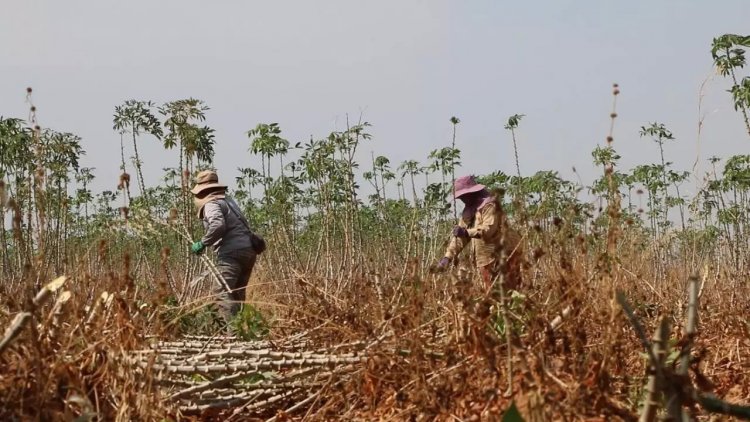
[[512, 414]]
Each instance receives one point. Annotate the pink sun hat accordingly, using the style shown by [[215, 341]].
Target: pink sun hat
[[466, 184]]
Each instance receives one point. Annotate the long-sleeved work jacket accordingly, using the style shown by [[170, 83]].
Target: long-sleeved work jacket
[[225, 231], [489, 235]]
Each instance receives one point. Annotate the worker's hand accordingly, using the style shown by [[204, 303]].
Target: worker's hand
[[443, 264], [198, 247], [459, 231]]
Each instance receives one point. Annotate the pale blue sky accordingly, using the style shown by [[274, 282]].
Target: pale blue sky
[[407, 65]]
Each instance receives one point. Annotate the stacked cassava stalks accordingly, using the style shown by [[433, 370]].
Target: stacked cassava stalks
[[207, 375]]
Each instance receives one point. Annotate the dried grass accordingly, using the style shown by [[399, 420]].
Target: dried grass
[[424, 349]]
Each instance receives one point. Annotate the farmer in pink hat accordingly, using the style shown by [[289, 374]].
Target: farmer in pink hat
[[485, 227]]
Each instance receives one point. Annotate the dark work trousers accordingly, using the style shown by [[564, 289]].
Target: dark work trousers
[[235, 266]]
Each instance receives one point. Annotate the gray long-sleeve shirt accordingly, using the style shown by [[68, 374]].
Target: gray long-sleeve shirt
[[224, 229]]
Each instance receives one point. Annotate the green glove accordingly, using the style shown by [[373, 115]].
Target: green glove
[[198, 247]]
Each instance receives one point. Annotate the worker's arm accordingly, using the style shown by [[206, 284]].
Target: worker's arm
[[214, 215], [488, 224], [457, 244]]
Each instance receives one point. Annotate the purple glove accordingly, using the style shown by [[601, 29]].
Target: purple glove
[[459, 231], [444, 262]]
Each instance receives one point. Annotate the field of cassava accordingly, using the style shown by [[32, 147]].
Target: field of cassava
[[634, 300]]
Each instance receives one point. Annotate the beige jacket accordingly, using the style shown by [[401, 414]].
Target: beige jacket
[[486, 228]]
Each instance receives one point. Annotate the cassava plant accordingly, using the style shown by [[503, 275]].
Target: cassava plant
[[512, 125], [728, 52], [136, 117]]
